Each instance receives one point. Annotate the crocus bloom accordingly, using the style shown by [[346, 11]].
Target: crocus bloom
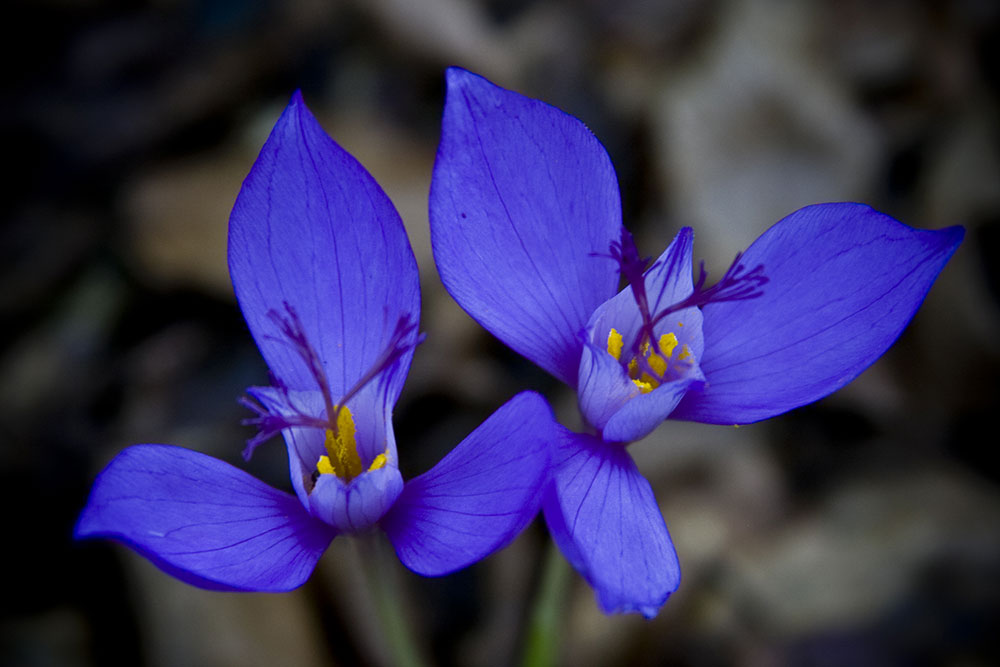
[[328, 285], [528, 238]]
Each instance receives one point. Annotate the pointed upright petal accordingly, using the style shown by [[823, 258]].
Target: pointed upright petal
[[522, 197], [670, 280], [204, 521], [603, 515], [479, 496], [312, 229], [844, 280]]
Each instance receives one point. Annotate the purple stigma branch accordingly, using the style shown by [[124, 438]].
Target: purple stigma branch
[[401, 341], [269, 424], [631, 267], [737, 284], [294, 334]]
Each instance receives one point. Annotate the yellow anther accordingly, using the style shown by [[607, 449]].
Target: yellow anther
[[615, 344], [668, 342], [324, 466], [685, 353], [658, 364], [345, 426], [341, 457], [379, 462], [644, 387]]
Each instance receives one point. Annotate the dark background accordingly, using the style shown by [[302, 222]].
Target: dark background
[[861, 530]]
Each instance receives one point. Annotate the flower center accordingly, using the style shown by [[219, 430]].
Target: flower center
[[341, 458], [651, 367]]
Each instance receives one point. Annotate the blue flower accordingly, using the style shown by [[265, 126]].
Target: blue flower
[[328, 284], [527, 235]]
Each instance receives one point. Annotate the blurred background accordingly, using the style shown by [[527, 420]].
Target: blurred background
[[862, 530]]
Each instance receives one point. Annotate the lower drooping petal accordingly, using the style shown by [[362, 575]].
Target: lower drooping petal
[[204, 521], [479, 496], [602, 513], [844, 280]]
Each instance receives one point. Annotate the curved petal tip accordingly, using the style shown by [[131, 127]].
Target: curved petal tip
[[204, 521], [602, 513], [843, 282]]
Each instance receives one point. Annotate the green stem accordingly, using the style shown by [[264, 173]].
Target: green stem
[[381, 571], [544, 635]]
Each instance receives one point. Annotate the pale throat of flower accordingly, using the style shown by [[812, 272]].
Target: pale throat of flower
[[342, 458], [649, 366]]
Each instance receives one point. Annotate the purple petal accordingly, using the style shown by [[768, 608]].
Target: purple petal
[[604, 386], [204, 521], [312, 229], [669, 280], [355, 506], [479, 496], [522, 197], [640, 416], [844, 282], [604, 516]]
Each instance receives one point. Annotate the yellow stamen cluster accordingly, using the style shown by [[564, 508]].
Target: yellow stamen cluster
[[658, 361], [341, 458]]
